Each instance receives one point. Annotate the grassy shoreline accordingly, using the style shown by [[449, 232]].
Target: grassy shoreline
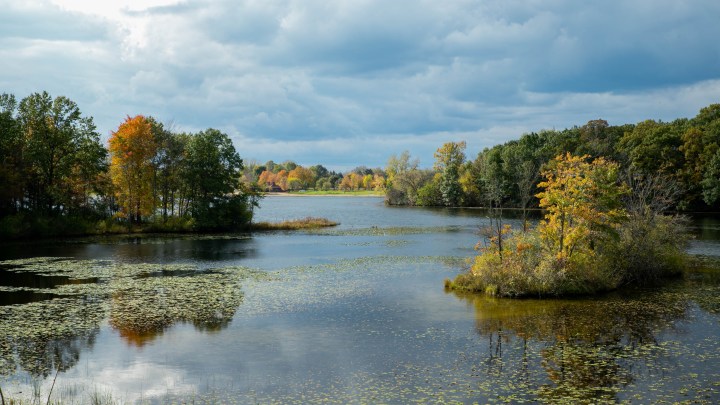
[[328, 193], [138, 230]]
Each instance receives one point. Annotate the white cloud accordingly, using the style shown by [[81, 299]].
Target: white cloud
[[110, 9], [345, 82]]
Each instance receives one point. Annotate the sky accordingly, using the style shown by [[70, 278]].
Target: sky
[[349, 83]]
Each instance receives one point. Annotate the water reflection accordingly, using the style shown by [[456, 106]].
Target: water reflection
[[139, 249], [587, 347], [23, 288], [43, 337], [140, 302], [142, 309]]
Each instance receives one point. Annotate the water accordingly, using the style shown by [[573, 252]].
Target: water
[[356, 313]]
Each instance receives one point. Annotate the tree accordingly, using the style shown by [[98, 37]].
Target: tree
[[320, 171], [398, 165], [582, 199], [304, 177], [654, 147], [711, 180], [449, 158], [266, 179], [132, 150], [351, 181], [289, 165], [495, 189], [212, 171], [62, 152], [168, 163], [378, 182], [12, 171], [281, 179]]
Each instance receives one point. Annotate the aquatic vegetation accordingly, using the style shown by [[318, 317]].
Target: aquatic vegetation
[[387, 231], [42, 336], [141, 307], [140, 301], [294, 224]]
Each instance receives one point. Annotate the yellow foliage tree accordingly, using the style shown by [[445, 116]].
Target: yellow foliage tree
[[132, 148], [301, 176], [582, 200], [378, 182]]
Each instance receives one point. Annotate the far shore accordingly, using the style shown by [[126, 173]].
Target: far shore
[[312, 194]]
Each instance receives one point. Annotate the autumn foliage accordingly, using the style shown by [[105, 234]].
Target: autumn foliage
[[587, 242], [132, 148], [582, 201]]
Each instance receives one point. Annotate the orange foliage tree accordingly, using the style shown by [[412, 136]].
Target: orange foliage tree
[[132, 149], [266, 178]]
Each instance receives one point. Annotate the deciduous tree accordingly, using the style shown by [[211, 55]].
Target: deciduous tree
[[582, 199], [449, 158], [132, 150]]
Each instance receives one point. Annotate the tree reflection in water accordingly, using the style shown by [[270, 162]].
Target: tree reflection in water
[[46, 336], [143, 309], [140, 301], [586, 346]]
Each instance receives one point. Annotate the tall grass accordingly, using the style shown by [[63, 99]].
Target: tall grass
[[295, 224]]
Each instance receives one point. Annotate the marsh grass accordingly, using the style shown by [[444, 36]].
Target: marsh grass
[[69, 395], [294, 224]]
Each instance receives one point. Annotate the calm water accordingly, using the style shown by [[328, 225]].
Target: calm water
[[355, 313]]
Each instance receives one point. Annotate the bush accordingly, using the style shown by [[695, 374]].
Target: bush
[[170, 224], [650, 249], [394, 196], [430, 195]]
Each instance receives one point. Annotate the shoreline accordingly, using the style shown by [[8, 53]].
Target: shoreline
[[277, 194]]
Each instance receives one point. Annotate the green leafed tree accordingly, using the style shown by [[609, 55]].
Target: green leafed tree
[[61, 148], [212, 172], [12, 170], [449, 159]]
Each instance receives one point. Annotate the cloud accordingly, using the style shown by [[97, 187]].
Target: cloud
[[349, 83]]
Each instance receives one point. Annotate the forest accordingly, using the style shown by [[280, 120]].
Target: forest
[[684, 153], [58, 178]]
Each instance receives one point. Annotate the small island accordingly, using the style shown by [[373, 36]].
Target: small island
[[601, 230]]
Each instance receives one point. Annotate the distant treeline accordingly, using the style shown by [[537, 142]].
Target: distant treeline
[[289, 176], [684, 153], [58, 178]]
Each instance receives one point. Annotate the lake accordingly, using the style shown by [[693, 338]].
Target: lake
[[351, 314]]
